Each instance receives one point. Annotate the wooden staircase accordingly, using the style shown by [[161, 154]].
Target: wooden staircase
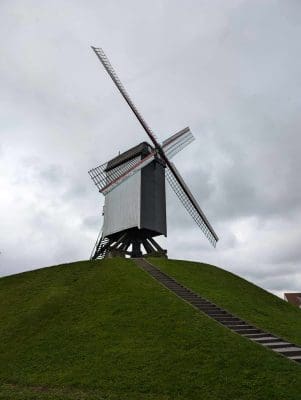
[[235, 324]]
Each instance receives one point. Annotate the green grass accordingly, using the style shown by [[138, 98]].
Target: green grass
[[238, 296], [106, 330]]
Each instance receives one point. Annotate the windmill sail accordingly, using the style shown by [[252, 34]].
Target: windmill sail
[[101, 177], [108, 180], [187, 199], [110, 70], [177, 142]]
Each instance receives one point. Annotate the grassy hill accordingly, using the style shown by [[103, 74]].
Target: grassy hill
[[107, 330]]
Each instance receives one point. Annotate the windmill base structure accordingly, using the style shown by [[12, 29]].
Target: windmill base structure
[[133, 184], [118, 245]]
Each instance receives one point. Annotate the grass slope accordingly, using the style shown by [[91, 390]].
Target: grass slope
[[107, 330], [238, 296]]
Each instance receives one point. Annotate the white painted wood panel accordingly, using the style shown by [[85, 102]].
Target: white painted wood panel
[[122, 206]]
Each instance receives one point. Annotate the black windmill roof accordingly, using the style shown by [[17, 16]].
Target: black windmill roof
[[142, 149]]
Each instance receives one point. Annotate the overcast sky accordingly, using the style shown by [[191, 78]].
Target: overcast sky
[[228, 69]]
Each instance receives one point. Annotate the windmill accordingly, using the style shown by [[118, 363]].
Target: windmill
[[133, 184]]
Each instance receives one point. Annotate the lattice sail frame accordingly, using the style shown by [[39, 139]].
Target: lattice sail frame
[[108, 180], [177, 142], [110, 70], [193, 208], [101, 178]]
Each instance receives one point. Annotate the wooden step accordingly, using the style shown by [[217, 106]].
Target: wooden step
[[201, 303], [265, 339], [277, 345], [258, 335], [247, 330], [295, 358], [289, 351], [239, 327], [233, 323], [207, 307], [227, 319]]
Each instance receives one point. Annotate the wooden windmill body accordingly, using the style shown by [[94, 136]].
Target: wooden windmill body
[[136, 209]]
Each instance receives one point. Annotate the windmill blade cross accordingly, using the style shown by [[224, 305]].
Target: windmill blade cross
[[171, 145]]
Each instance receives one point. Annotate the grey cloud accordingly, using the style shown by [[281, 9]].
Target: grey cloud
[[284, 283], [91, 222], [229, 70]]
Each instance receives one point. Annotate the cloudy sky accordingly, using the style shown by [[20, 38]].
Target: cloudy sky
[[228, 69]]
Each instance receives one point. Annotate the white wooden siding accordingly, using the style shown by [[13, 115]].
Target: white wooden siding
[[122, 206]]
